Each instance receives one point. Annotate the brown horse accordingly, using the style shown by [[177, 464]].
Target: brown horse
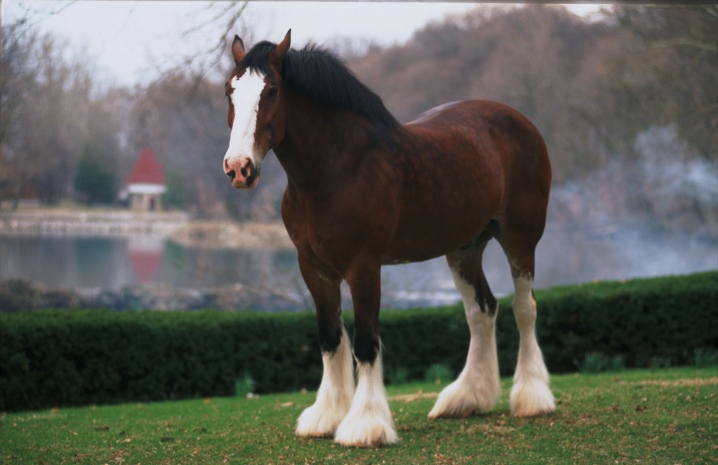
[[365, 191]]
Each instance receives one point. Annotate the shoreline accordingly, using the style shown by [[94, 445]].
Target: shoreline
[[174, 226]]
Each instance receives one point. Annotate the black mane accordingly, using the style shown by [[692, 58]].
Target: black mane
[[319, 74]]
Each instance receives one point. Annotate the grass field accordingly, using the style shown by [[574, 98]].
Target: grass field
[[650, 417]]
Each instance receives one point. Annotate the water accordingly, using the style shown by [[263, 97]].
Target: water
[[151, 262]]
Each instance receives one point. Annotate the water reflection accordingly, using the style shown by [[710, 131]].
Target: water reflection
[[145, 254], [265, 279]]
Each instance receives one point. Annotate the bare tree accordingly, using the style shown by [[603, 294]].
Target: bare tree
[[49, 113], [16, 86]]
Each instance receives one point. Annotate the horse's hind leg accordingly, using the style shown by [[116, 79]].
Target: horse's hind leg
[[337, 387], [477, 388], [530, 394]]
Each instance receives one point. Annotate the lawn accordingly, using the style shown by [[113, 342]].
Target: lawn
[[651, 417]]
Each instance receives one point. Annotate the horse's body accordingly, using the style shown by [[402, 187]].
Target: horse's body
[[364, 191]]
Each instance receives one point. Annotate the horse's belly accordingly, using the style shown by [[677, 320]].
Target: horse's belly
[[420, 241]]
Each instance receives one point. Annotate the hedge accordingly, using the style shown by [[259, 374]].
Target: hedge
[[55, 358]]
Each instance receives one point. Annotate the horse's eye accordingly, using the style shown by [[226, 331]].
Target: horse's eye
[[272, 91]]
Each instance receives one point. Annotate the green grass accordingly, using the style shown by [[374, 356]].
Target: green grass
[[650, 417]]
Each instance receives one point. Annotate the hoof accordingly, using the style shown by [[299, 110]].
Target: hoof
[[366, 431], [531, 398], [463, 398], [316, 422]]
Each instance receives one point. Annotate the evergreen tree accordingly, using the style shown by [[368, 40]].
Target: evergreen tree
[[94, 181]]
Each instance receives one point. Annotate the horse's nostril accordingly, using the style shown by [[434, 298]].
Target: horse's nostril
[[231, 174], [244, 172]]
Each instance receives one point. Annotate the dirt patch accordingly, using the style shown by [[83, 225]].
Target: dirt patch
[[414, 397], [679, 382]]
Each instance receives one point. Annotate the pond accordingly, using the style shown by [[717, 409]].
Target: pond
[[146, 261]]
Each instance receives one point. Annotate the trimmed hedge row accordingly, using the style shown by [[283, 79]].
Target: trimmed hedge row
[[79, 357]]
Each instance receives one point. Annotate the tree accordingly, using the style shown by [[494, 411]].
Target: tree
[[671, 69], [50, 111], [176, 195], [16, 86], [591, 87], [94, 180]]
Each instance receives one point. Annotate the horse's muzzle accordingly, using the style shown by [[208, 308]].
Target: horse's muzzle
[[243, 173]]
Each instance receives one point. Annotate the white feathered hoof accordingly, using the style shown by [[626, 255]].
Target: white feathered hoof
[[366, 430], [530, 398], [369, 422], [334, 398], [463, 398], [318, 421]]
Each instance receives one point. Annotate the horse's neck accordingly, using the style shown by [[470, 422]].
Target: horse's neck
[[320, 145]]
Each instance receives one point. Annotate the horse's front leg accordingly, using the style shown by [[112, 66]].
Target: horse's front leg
[[369, 422], [337, 387]]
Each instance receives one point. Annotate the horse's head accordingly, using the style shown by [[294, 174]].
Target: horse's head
[[255, 110]]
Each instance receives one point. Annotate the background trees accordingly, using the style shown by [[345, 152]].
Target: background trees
[[616, 98], [94, 181], [52, 109]]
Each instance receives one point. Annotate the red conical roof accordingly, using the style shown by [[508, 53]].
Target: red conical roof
[[148, 170]]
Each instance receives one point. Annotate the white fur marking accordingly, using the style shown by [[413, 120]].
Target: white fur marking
[[369, 422], [530, 394], [478, 387], [335, 394], [245, 99]]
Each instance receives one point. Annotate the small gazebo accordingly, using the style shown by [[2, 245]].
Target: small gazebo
[[146, 183]]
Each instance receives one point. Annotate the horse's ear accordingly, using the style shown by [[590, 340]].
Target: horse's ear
[[238, 50], [281, 50]]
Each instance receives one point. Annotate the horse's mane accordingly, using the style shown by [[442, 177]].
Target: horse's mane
[[318, 73]]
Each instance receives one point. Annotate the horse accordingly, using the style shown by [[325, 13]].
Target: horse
[[365, 191]]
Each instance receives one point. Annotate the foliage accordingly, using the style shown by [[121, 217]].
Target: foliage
[[176, 195], [592, 86], [438, 373], [664, 417], [599, 363], [705, 357], [95, 180], [244, 385], [51, 110], [75, 357]]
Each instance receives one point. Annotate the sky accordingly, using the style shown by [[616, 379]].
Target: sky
[[131, 42]]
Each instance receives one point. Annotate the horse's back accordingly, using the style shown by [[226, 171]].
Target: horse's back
[[480, 117], [493, 133], [463, 165]]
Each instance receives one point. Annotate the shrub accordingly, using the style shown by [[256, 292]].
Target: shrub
[[599, 363], [705, 357], [244, 385], [438, 373], [79, 357]]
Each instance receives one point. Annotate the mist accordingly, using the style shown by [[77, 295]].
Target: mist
[[651, 215]]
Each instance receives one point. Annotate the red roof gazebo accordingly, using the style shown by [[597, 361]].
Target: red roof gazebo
[[146, 183]]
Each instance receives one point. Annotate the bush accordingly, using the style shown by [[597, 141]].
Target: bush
[[79, 357], [599, 363]]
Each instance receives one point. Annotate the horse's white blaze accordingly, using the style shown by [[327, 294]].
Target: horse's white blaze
[[478, 387], [369, 422], [530, 394], [335, 394], [245, 99]]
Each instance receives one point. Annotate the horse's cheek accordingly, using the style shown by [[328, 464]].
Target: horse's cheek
[[278, 127]]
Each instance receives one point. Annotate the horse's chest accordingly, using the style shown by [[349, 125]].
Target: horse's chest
[[321, 238]]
